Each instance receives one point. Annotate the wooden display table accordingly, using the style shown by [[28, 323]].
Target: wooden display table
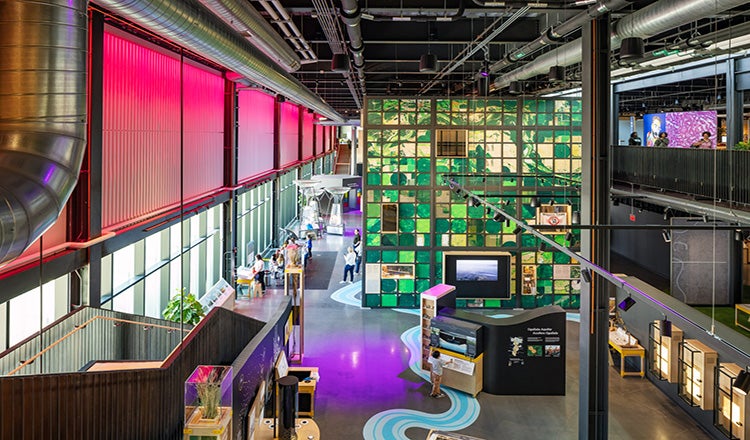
[[464, 374], [742, 315], [627, 351], [306, 429], [306, 389]]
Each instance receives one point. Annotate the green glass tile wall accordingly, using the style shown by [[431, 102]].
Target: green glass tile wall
[[515, 149]]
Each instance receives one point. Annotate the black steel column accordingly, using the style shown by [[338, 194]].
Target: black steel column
[[276, 187], [735, 100], [229, 240], [594, 329]]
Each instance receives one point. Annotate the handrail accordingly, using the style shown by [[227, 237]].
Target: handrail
[[81, 327]]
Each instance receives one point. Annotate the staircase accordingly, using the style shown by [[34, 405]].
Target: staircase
[[343, 159]]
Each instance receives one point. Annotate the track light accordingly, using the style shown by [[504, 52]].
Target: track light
[[615, 202], [466, 195], [667, 213], [475, 202], [665, 328], [742, 382], [489, 210], [507, 223], [738, 236], [498, 217], [543, 247], [586, 275], [517, 230], [534, 202], [569, 237], [666, 236], [551, 202], [457, 190], [506, 202], [575, 218], [428, 63], [626, 304]]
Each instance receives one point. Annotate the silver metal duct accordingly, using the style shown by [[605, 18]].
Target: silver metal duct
[[194, 27], [651, 20], [351, 16], [42, 116], [246, 20]]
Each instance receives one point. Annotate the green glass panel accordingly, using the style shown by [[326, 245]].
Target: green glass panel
[[493, 227], [528, 301], [459, 119], [408, 118], [442, 119], [561, 258], [562, 119], [494, 106], [508, 303], [562, 106], [528, 119], [442, 105], [528, 240], [388, 286], [423, 179], [372, 239], [372, 225], [477, 105], [390, 104], [562, 136], [390, 195], [458, 226], [442, 225], [406, 210], [407, 301], [372, 300], [406, 239], [476, 211], [423, 150], [406, 286], [529, 105], [545, 136], [406, 225], [374, 118], [423, 226], [422, 271], [408, 105], [374, 104], [389, 300], [373, 179], [544, 300], [510, 106], [562, 151], [476, 240], [494, 119], [423, 210], [406, 256], [476, 118], [423, 118], [561, 287], [399, 179], [510, 119], [575, 106], [562, 301], [372, 256], [544, 119], [577, 119], [575, 301], [458, 210], [492, 303], [389, 240], [424, 104], [422, 285], [423, 135], [423, 256], [373, 210], [460, 105], [527, 212], [461, 303], [390, 257], [424, 165], [390, 118]]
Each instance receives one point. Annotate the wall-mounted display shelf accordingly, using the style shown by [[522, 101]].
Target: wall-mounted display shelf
[[431, 299], [731, 403], [696, 373], [664, 344]]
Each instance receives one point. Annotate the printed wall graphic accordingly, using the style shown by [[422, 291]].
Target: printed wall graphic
[[396, 271]]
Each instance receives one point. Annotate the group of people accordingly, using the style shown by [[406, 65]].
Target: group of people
[[353, 258]]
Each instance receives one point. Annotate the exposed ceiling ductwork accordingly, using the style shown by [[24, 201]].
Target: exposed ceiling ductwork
[[651, 20], [43, 115], [351, 16], [194, 27], [246, 20]]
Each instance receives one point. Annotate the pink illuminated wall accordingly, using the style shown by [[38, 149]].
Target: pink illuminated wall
[[289, 133], [255, 133], [141, 142], [307, 134]]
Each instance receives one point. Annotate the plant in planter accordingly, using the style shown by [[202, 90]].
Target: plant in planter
[[184, 308], [209, 395], [742, 146]]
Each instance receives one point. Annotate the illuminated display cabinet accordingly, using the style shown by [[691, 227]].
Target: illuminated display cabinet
[[696, 373], [664, 352], [731, 403]]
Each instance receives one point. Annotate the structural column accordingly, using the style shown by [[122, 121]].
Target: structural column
[[594, 330]]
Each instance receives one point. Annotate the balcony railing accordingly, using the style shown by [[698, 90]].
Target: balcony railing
[[714, 174]]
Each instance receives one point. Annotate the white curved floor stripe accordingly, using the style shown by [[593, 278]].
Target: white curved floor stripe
[[393, 423]]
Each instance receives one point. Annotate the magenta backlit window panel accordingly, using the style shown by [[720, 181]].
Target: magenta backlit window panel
[[141, 145], [289, 134], [307, 135], [319, 145], [255, 133]]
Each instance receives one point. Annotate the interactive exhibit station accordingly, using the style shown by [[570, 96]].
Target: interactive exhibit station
[[523, 354]]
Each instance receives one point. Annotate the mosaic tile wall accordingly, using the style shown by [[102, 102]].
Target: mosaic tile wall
[[516, 148]]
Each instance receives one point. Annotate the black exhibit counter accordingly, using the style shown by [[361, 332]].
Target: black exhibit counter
[[523, 354]]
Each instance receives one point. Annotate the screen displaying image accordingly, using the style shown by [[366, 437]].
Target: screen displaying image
[[682, 128], [476, 270]]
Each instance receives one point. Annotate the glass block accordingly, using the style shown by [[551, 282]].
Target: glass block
[[372, 256], [372, 300], [406, 286], [389, 300], [388, 286]]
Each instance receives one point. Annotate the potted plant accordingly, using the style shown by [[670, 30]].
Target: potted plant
[[742, 146], [209, 394], [184, 308]]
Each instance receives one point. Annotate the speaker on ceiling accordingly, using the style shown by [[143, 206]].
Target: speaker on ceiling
[[340, 62], [631, 49], [428, 63]]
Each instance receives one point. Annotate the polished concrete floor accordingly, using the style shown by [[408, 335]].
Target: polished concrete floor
[[367, 389]]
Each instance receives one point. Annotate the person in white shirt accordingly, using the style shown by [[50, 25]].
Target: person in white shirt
[[436, 373], [349, 259], [259, 269]]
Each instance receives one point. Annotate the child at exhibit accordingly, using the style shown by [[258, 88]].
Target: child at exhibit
[[436, 373], [349, 260]]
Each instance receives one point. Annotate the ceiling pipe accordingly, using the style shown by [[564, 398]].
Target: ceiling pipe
[[281, 17], [246, 20], [651, 20], [351, 16], [42, 117], [420, 15], [198, 30]]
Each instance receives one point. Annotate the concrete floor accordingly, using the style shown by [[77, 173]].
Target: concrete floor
[[364, 369]]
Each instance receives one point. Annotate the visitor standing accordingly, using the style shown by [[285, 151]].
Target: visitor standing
[[662, 141], [349, 259], [436, 373], [357, 246], [634, 139], [259, 271]]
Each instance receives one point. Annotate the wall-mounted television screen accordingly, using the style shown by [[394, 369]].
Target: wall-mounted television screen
[[478, 275], [457, 336], [682, 128]]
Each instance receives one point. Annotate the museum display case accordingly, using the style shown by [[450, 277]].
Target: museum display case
[[431, 299], [731, 402], [208, 403], [664, 344], [696, 373]]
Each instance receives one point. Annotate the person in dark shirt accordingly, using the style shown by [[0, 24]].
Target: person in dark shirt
[[662, 141], [634, 139]]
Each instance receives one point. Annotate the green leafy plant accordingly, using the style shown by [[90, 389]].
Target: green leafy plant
[[742, 146], [192, 310]]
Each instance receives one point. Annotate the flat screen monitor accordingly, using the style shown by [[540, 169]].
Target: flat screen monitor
[[480, 275], [682, 128]]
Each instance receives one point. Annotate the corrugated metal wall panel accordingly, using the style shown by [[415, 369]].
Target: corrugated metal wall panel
[[204, 130], [141, 129], [319, 140], [307, 135], [289, 133], [55, 235], [255, 133]]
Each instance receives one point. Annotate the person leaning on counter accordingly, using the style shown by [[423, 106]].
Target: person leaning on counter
[[704, 142]]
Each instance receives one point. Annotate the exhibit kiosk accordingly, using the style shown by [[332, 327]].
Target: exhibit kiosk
[[208, 403], [335, 219]]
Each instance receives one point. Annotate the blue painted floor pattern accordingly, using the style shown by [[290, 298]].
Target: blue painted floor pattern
[[393, 423]]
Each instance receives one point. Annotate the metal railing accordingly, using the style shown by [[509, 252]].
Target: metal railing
[[715, 174]]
